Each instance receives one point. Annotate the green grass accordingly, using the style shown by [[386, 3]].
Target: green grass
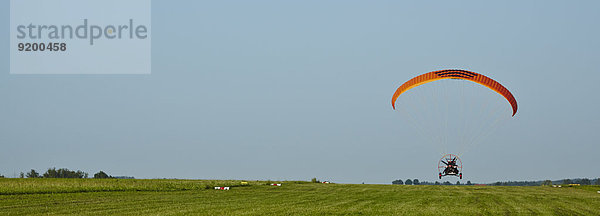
[[40, 185], [182, 197]]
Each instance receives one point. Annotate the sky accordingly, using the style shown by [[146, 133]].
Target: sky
[[286, 90]]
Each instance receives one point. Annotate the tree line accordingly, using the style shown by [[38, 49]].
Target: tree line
[[581, 181], [417, 182], [62, 173]]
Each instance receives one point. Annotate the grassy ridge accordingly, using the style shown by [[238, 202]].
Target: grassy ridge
[[56, 185], [308, 199]]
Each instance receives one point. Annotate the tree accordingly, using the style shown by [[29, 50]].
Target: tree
[[22, 175], [33, 174], [598, 181], [567, 181], [447, 183], [64, 173], [585, 181], [101, 175], [416, 181], [547, 183], [469, 183], [314, 180], [457, 182], [437, 183], [408, 182], [398, 182]]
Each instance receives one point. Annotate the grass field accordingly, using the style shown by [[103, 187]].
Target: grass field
[[179, 197]]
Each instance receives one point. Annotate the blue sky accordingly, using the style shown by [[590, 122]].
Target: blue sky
[[295, 90]]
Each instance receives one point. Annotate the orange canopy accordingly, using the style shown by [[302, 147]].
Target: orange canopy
[[456, 74]]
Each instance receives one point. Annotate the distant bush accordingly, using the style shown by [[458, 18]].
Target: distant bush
[[517, 183], [585, 181], [297, 182], [33, 174], [64, 173], [101, 175], [398, 182], [315, 180]]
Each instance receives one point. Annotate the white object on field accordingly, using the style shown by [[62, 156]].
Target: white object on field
[[221, 188], [276, 184]]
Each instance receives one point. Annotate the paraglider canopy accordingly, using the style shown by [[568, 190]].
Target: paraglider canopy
[[456, 74]]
